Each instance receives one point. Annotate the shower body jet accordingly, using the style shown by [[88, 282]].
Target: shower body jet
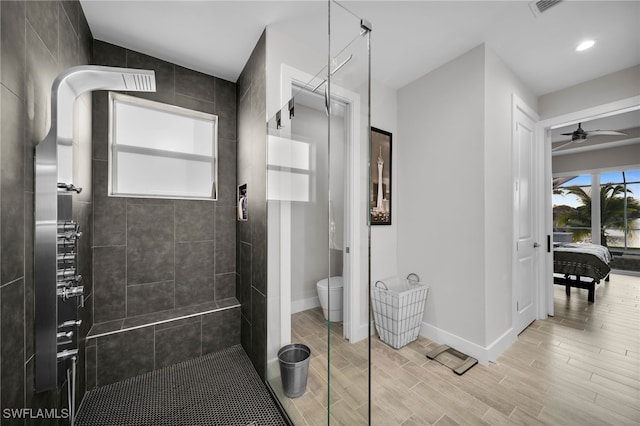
[[55, 283]]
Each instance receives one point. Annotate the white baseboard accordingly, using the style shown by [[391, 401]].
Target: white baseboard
[[361, 333], [482, 354], [304, 304]]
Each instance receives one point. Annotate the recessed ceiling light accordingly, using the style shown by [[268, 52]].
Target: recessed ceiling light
[[587, 44]]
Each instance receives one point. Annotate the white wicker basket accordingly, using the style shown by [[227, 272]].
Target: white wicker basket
[[398, 307]]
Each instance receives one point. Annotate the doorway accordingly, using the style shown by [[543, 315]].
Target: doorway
[[544, 130]]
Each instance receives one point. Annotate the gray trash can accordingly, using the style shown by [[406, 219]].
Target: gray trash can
[[294, 368]]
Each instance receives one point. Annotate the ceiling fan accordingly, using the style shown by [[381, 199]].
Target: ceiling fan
[[580, 135]]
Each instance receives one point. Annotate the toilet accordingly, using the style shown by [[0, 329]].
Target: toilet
[[331, 297]]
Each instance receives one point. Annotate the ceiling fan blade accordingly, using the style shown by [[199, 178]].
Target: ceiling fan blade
[[562, 146], [566, 134], [605, 133]]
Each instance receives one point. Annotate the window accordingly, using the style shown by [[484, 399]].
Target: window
[[161, 151], [619, 208]]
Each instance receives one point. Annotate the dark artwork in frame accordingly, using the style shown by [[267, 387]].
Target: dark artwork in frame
[[380, 189]]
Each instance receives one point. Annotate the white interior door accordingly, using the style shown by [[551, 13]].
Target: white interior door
[[525, 261]]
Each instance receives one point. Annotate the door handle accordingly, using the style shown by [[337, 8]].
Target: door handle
[[536, 245]]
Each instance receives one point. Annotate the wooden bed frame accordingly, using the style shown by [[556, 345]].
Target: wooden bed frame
[[577, 282]]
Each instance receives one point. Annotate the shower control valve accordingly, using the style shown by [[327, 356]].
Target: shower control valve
[[68, 292], [65, 335], [67, 353], [70, 323], [70, 282]]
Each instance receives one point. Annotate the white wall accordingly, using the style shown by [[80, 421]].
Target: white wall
[[384, 239], [609, 88], [620, 158], [455, 197], [500, 84], [441, 194]]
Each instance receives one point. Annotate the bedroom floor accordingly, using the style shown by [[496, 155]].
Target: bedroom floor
[[581, 366]]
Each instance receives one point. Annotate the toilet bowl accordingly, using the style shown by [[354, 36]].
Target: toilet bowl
[[331, 297]]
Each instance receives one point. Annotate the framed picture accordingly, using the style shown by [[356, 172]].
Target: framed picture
[[380, 190]]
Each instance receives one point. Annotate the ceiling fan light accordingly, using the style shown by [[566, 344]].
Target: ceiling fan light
[[587, 44]]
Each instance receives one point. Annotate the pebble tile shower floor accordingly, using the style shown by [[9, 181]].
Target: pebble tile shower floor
[[221, 388]]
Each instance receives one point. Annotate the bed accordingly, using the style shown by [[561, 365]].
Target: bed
[[581, 265]]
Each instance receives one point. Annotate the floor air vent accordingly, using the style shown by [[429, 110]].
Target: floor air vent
[[537, 7]]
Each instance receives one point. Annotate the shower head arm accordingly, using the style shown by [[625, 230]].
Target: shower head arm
[[77, 80]]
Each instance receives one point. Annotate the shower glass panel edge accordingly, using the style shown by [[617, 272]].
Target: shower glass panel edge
[[349, 132], [317, 147]]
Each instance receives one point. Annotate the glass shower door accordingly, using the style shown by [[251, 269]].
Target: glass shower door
[[318, 232]]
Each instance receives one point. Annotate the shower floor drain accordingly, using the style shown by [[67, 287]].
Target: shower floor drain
[[217, 389]]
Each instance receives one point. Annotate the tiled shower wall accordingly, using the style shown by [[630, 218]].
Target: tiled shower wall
[[154, 255], [252, 234], [39, 39]]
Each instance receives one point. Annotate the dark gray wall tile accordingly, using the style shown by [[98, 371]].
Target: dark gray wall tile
[[179, 323], [194, 220], [220, 330], [12, 45], [177, 344], [124, 355], [227, 188], [12, 350], [259, 265], [109, 54], [68, 41], [83, 215], [165, 76], [28, 275], [194, 84], [150, 243], [90, 369], [251, 169], [43, 16], [109, 283], [245, 334], [194, 273], [195, 104], [81, 380], [225, 286], [11, 187], [41, 71], [100, 126], [147, 298], [225, 239], [85, 48], [72, 10], [259, 332], [245, 279], [225, 95]]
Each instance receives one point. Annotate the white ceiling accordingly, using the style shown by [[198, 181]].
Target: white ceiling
[[409, 39]]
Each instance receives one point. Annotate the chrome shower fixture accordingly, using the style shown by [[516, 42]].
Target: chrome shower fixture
[[56, 279]]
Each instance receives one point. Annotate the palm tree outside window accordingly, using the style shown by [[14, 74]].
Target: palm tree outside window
[[619, 209]]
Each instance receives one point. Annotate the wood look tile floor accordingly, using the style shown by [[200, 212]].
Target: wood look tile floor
[[580, 367]]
